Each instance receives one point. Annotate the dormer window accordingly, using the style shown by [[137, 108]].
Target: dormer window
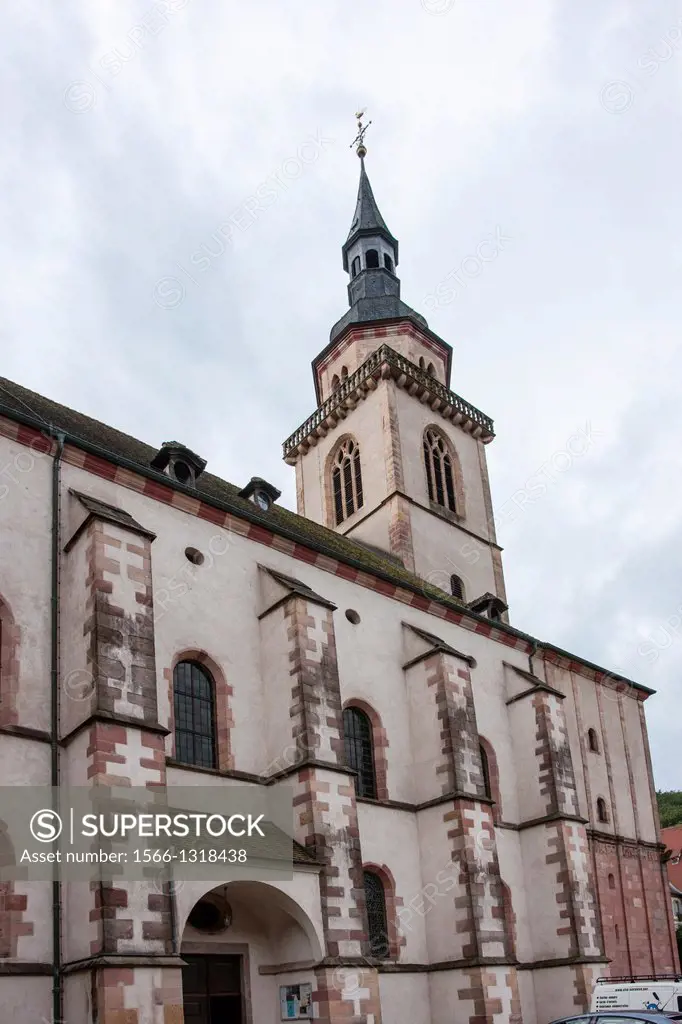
[[372, 259], [260, 493], [179, 463], [388, 262], [489, 605]]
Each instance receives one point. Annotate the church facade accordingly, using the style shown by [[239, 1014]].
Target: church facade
[[474, 816]]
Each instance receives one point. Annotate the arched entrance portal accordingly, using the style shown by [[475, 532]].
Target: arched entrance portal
[[247, 946]]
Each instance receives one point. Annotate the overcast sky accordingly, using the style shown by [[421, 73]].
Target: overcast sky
[[134, 133]]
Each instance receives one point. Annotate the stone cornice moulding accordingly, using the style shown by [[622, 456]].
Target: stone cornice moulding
[[384, 364]]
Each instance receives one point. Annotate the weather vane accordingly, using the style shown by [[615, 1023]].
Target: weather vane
[[359, 139]]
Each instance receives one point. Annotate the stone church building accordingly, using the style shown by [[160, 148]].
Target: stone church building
[[476, 835]]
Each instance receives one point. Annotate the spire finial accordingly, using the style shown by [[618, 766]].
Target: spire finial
[[359, 140]]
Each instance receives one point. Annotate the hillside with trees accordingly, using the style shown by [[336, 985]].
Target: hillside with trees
[[670, 807]]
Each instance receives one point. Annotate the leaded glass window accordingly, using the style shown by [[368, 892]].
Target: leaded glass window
[[357, 731], [375, 901], [194, 700]]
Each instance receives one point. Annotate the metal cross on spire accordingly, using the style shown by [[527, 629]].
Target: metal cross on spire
[[359, 139]]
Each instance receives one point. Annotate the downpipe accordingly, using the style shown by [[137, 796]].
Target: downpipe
[[57, 986]]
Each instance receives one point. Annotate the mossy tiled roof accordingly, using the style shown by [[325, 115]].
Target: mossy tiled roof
[[44, 413], [19, 403]]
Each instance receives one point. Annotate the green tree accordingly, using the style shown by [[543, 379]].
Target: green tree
[[670, 807]]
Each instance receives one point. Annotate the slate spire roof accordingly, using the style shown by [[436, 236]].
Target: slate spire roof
[[367, 219]]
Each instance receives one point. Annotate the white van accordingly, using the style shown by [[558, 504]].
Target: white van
[[644, 993]]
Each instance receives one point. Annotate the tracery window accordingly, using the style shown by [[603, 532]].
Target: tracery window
[[439, 471], [347, 481]]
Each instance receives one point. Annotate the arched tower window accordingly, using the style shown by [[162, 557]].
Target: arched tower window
[[602, 813], [359, 748], [194, 705], [335, 382], [371, 259], [355, 267], [347, 481], [422, 363], [344, 372], [439, 472], [375, 901], [457, 587], [593, 741], [431, 369], [388, 262]]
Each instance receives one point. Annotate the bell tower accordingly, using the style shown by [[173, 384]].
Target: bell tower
[[392, 458]]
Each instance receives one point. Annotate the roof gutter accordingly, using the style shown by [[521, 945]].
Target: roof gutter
[[244, 511]]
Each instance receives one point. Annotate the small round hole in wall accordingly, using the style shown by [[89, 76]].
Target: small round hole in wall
[[194, 556], [352, 616]]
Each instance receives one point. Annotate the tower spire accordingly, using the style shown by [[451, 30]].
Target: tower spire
[[370, 256], [368, 226]]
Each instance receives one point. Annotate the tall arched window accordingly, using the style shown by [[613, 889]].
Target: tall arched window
[[485, 766], [457, 587], [355, 267], [509, 919], [194, 704], [602, 813], [372, 259], [431, 369], [422, 363], [375, 901], [347, 481], [359, 747], [335, 382], [490, 777], [592, 741], [344, 372], [9, 665], [388, 262], [439, 472]]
